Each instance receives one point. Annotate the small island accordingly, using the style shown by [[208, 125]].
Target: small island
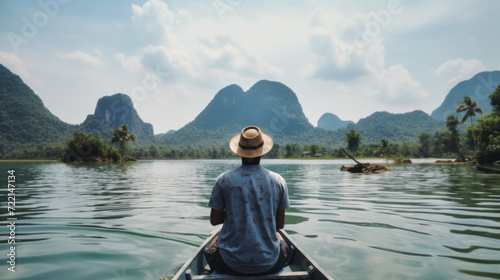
[[90, 148]]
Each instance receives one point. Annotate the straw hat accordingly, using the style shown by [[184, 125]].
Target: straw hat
[[251, 143]]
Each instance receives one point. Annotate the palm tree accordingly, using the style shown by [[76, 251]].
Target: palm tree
[[470, 107], [383, 147], [452, 124], [122, 136]]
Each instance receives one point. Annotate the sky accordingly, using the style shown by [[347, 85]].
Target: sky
[[349, 58]]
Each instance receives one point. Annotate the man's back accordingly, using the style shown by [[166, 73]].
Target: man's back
[[251, 196]]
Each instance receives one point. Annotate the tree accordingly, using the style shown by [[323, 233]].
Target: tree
[[425, 143], [405, 149], [488, 129], [292, 150], [495, 99], [84, 146], [275, 152], [122, 137], [353, 140], [452, 124], [441, 142], [383, 147], [470, 108], [154, 152], [314, 149]]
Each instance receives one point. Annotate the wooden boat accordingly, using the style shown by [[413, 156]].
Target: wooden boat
[[299, 265]]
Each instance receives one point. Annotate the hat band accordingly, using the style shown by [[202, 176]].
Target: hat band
[[251, 148]]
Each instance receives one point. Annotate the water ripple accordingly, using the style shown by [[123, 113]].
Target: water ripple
[[142, 220]]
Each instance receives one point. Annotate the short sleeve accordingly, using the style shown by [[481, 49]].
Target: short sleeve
[[217, 199], [284, 201]]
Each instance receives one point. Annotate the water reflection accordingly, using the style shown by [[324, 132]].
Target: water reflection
[[411, 212], [142, 220]]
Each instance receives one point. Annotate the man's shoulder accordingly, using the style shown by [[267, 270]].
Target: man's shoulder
[[276, 176], [237, 172], [229, 173]]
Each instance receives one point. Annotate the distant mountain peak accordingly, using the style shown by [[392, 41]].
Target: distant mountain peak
[[231, 89], [277, 89], [113, 111], [332, 122], [116, 110], [270, 105], [478, 88]]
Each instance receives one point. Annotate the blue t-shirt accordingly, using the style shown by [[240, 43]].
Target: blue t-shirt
[[251, 195]]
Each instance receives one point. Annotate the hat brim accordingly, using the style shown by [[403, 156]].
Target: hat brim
[[235, 147]]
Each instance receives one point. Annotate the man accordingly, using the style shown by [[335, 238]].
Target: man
[[250, 202]]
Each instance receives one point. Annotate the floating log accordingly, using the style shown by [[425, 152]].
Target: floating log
[[366, 168], [464, 159]]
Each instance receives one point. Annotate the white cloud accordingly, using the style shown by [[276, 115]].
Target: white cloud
[[340, 47], [131, 63], [334, 59], [176, 64], [389, 87], [97, 51], [183, 16], [154, 22], [456, 70], [226, 54], [343, 52], [15, 64], [186, 60], [401, 85], [82, 57]]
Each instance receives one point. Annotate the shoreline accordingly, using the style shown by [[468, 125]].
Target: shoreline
[[28, 160], [293, 158]]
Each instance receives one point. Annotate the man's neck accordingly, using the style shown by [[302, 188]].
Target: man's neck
[[250, 161]]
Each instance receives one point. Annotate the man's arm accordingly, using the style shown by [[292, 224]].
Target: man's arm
[[280, 219], [217, 217]]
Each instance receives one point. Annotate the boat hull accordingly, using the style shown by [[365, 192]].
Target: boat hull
[[299, 266]]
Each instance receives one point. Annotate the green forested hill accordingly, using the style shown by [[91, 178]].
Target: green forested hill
[[24, 120], [397, 128], [270, 105], [25, 123], [275, 108], [478, 88]]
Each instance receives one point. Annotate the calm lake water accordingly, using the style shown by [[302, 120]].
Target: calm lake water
[[143, 220]]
